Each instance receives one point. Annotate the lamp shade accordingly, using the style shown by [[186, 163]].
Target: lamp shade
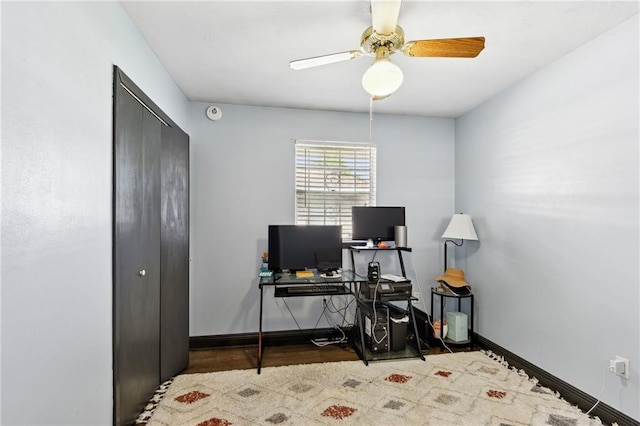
[[382, 79], [461, 228]]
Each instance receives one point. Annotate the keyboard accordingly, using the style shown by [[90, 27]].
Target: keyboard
[[310, 289]]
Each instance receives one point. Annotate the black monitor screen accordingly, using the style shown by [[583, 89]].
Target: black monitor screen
[[376, 223], [299, 247]]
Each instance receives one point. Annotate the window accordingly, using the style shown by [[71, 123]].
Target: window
[[330, 178]]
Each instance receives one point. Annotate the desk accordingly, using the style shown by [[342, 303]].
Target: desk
[[348, 281]]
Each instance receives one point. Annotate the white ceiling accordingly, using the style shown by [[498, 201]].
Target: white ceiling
[[238, 52]]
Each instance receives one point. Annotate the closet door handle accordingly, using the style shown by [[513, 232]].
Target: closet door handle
[[142, 272]]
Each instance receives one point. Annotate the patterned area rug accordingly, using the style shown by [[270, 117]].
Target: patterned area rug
[[466, 388]]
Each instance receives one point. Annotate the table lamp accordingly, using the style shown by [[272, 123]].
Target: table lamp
[[460, 228]]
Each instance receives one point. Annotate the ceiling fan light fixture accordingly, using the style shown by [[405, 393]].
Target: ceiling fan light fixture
[[382, 79]]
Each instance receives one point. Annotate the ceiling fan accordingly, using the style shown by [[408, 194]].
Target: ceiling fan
[[384, 38]]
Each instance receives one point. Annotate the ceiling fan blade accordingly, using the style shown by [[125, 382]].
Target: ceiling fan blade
[[468, 47], [301, 64], [384, 15]]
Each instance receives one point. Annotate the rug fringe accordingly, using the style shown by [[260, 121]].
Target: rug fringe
[[500, 359], [148, 410]]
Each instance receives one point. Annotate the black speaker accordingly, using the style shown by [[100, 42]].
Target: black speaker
[[373, 272]]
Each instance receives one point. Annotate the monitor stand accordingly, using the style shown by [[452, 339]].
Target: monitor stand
[[370, 243]]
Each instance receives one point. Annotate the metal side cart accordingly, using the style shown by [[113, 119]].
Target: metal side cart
[[385, 317]]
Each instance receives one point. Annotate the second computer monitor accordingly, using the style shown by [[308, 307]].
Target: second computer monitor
[[376, 223]]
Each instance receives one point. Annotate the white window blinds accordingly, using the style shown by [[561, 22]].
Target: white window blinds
[[330, 178]]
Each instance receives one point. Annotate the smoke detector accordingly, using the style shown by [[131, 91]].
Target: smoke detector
[[214, 113]]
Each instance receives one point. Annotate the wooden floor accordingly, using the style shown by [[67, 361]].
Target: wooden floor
[[246, 357]]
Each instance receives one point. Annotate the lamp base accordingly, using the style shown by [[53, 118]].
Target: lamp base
[[445, 251]]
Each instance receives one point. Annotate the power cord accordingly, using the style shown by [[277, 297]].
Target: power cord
[[424, 306], [439, 335], [604, 384], [341, 311], [415, 273], [330, 321], [325, 310], [375, 316]]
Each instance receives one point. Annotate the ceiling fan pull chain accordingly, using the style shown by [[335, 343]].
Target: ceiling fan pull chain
[[370, 120]]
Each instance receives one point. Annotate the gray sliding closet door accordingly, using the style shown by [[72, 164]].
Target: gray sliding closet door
[[174, 252], [150, 249], [137, 256]]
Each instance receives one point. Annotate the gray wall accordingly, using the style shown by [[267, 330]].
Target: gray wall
[[242, 180], [57, 63], [549, 172], [558, 152]]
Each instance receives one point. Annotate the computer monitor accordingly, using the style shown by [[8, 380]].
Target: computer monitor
[[376, 224], [300, 247]]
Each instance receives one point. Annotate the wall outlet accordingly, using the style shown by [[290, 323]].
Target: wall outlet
[[620, 366]]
